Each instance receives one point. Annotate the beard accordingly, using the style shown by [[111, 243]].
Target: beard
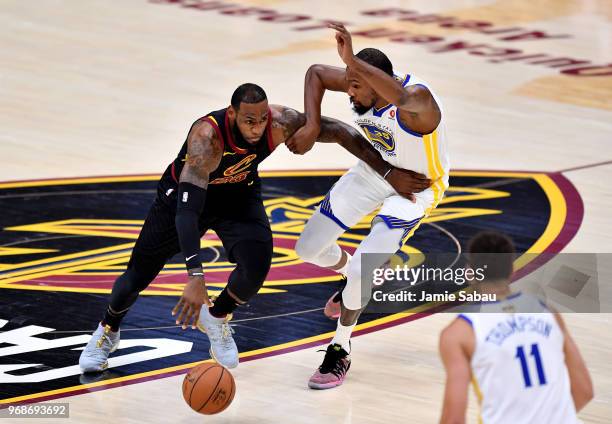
[[359, 108], [241, 139]]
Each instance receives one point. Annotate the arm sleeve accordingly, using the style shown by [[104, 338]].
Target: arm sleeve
[[190, 205]]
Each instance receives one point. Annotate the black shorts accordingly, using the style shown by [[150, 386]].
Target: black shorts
[[235, 214]]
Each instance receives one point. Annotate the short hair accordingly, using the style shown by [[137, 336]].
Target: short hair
[[377, 59], [493, 251], [248, 93]]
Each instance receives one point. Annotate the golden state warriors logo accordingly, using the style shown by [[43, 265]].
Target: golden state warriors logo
[[381, 139], [64, 242]]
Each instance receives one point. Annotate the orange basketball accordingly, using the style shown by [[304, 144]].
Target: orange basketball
[[209, 388]]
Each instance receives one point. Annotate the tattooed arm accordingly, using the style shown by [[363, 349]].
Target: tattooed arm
[[405, 182], [203, 156], [204, 153], [286, 121]]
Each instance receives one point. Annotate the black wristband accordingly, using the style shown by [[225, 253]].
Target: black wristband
[[190, 204]]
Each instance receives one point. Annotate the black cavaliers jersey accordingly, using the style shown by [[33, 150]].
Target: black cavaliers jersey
[[238, 166]]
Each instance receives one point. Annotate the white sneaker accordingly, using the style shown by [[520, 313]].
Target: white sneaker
[[103, 342], [223, 348]]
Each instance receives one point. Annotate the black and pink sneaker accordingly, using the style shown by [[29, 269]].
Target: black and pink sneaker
[[333, 370]]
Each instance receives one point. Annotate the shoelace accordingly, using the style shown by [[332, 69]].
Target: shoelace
[[103, 337], [333, 363], [226, 335]]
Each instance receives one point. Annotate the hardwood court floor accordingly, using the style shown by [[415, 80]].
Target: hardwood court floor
[[111, 87]]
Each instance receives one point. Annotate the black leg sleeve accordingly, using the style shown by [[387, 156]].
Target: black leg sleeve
[[124, 294], [156, 243]]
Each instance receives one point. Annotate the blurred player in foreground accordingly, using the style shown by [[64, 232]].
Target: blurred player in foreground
[[524, 366]]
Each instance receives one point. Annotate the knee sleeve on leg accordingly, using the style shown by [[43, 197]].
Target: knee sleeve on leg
[[317, 244], [381, 240], [310, 251], [253, 263], [353, 294], [307, 249]]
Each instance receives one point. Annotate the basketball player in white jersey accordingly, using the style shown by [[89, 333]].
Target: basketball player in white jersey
[[524, 366], [404, 120]]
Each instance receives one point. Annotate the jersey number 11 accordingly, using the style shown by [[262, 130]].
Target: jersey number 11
[[535, 352]]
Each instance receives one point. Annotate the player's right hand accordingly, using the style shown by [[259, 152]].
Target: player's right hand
[[407, 182], [194, 296], [303, 139]]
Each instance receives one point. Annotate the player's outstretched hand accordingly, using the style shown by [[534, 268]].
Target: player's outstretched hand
[[407, 182], [194, 296], [303, 139], [344, 42]]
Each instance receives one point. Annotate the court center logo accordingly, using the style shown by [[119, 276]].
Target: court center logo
[[64, 242]]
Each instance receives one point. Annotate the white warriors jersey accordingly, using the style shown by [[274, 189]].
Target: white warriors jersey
[[518, 366], [404, 148]]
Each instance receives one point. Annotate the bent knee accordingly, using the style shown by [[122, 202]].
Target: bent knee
[[307, 249]]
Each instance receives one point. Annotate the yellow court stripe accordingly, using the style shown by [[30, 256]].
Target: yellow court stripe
[[506, 174], [53, 270], [296, 173], [295, 343], [74, 255], [9, 251], [151, 177], [556, 221], [108, 250], [89, 180], [86, 221], [102, 383]]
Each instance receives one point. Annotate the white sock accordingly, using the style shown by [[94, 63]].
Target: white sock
[[343, 335]]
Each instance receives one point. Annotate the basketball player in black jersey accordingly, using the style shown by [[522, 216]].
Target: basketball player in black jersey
[[214, 184]]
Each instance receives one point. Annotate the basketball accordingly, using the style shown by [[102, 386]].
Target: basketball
[[209, 388]]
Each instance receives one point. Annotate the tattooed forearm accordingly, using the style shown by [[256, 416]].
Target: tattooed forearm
[[334, 131], [287, 120], [203, 154]]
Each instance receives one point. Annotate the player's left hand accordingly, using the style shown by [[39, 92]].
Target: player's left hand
[[406, 182], [344, 42]]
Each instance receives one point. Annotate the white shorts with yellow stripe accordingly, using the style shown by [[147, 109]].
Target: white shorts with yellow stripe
[[361, 191]]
